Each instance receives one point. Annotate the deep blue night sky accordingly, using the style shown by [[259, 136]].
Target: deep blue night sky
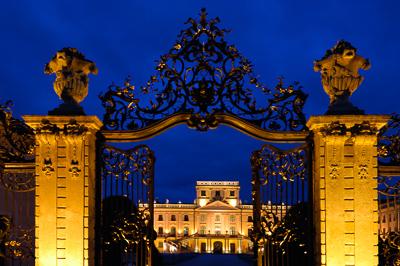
[[281, 38]]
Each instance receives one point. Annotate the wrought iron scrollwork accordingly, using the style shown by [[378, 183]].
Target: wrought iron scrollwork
[[282, 221], [127, 207], [129, 230], [23, 181], [389, 248], [203, 75], [121, 164], [21, 243], [389, 142], [17, 139]]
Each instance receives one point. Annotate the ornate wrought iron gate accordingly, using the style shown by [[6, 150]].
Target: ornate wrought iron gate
[[389, 193], [282, 209], [203, 82], [126, 212], [17, 191]]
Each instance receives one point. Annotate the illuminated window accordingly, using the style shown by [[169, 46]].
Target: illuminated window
[[173, 230], [160, 217], [217, 218], [186, 231], [202, 230], [202, 218], [186, 217], [232, 231], [232, 218], [217, 230], [173, 217]]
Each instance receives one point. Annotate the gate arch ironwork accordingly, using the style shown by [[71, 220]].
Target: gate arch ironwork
[[204, 82]]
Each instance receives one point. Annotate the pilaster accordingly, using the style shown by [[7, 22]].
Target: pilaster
[[344, 188], [65, 188]]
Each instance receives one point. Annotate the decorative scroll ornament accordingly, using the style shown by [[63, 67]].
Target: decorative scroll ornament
[[389, 249], [17, 140], [18, 179], [339, 129], [71, 84], [202, 75], [389, 142], [340, 78], [129, 230], [71, 128], [288, 165], [21, 243]]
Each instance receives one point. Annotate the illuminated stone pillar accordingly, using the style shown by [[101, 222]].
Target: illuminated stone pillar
[[345, 188], [65, 189]]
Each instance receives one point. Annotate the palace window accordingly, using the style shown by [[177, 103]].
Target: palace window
[[202, 218], [186, 217], [186, 231], [217, 230], [217, 193], [202, 230], [173, 217], [160, 230], [249, 219], [249, 231], [232, 193], [217, 218], [173, 231], [232, 231], [232, 218], [383, 219], [203, 193], [160, 217]]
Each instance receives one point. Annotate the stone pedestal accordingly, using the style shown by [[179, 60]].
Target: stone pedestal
[[345, 188], [65, 188]]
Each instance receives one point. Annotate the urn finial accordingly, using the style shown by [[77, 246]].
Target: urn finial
[[71, 85], [340, 78]]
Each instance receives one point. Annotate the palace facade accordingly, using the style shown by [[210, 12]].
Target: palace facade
[[217, 221]]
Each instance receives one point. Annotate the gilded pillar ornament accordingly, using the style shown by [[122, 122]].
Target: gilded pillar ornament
[[340, 78], [71, 85]]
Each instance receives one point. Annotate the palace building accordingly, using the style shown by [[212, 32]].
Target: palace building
[[217, 221]]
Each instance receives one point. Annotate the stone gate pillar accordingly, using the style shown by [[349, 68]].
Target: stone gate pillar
[[65, 164], [65, 189], [345, 188], [345, 197]]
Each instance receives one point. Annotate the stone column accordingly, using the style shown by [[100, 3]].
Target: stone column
[[345, 188], [65, 188]]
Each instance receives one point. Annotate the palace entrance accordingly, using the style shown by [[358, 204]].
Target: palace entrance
[[204, 82], [92, 185]]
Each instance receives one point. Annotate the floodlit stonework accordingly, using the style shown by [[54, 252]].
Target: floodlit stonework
[[345, 188], [65, 191]]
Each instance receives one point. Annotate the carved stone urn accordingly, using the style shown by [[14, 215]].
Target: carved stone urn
[[340, 78], [71, 84]]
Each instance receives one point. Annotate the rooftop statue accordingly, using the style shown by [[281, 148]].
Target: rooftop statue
[[340, 78], [71, 84]]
